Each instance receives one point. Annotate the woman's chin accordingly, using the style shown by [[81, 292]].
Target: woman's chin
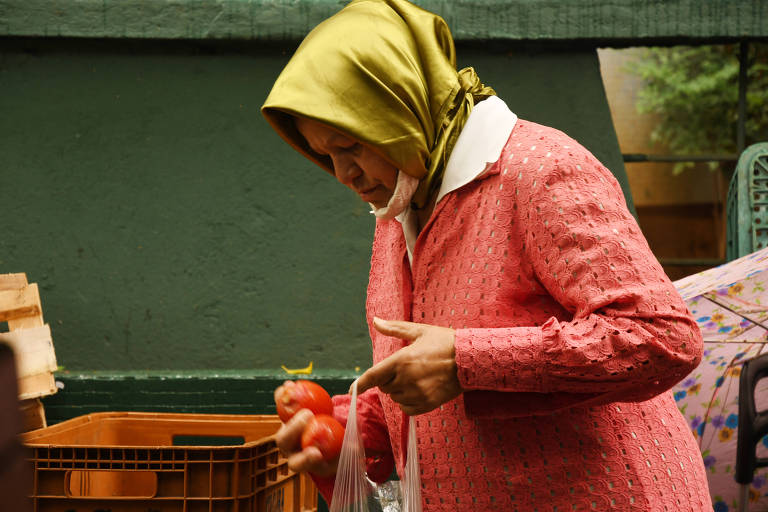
[[378, 204], [375, 200]]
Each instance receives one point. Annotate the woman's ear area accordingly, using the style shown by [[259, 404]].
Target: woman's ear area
[[314, 134], [297, 126], [290, 125]]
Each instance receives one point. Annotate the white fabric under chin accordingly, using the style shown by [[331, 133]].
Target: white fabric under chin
[[478, 147], [401, 197]]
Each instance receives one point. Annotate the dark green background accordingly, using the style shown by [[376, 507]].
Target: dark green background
[[169, 228]]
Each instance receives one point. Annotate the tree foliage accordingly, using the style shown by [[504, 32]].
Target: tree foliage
[[693, 92]]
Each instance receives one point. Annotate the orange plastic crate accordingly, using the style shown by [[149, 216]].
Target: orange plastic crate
[[159, 462]]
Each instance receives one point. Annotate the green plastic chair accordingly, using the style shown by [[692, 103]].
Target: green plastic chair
[[747, 207]]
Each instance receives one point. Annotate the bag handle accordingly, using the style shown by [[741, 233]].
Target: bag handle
[[352, 489], [411, 485]]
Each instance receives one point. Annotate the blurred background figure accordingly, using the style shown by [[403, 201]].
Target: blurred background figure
[[15, 474]]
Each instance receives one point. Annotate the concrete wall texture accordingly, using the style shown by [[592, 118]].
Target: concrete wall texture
[[170, 229]]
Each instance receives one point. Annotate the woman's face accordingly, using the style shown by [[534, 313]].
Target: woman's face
[[357, 166]]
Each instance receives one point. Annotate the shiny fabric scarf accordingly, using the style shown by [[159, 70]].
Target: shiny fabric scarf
[[384, 73]]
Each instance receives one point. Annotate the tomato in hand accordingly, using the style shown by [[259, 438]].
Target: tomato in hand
[[324, 433], [293, 396]]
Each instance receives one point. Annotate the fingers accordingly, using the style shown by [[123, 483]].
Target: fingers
[[415, 406], [305, 460], [288, 438], [377, 375], [411, 410], [420, 376], [383, 373], [282, 388], [408, 331], [310, 459]]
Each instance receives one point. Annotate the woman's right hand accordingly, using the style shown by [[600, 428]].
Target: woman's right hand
[[310, 459]]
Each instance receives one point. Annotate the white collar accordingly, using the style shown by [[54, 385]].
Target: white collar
[[478, 147]]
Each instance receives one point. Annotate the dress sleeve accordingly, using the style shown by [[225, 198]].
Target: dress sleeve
[[373, 430], [630, 336]]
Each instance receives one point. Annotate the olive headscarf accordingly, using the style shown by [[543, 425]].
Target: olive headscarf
[[383, 72]]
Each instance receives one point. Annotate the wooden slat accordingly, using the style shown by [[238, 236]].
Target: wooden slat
[[21, 307], [33, 350], [32, 415], [35, 360], [26, 322], [31, 341], [13, 281], [35, 386]]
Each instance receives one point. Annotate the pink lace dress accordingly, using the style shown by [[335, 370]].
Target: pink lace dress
[[569, 335]]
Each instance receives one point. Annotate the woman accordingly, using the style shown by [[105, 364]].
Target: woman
[[514, 306]]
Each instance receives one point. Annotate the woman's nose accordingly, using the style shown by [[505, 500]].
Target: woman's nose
[[344, 169]]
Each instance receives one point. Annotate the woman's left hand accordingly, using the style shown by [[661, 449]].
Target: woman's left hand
[[421, 376]]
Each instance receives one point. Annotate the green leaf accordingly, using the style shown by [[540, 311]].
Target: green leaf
[[693, 94]]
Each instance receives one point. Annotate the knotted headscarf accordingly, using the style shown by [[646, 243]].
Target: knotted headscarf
[[384, 73]]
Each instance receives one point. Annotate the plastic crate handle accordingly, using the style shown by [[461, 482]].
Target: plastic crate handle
[[110, 484]]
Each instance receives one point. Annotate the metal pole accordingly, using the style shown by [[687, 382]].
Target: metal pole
[[743, 68], [743, 497], [640, 157]]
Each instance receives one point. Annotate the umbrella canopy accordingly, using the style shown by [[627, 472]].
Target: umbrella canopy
[[730, 304]]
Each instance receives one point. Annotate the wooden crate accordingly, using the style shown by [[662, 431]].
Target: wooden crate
[[30, 338]]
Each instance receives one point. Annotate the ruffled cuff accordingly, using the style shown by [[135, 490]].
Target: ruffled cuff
[[500, 359]]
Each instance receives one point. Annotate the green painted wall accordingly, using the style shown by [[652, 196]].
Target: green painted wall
[[614, 21], [170, 229], [167, 227]]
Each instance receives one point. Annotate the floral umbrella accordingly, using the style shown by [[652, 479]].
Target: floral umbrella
[[730, 304]]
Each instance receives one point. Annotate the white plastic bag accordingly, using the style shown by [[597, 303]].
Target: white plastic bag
[[353, 491], [411, 483]]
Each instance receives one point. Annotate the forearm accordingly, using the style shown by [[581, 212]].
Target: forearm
[[596, 359]]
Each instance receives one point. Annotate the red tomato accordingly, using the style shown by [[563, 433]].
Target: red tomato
[[379, 467], [302, 394], [325, 433]]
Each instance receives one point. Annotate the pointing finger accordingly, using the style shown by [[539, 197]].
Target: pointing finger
[[377, 375]]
